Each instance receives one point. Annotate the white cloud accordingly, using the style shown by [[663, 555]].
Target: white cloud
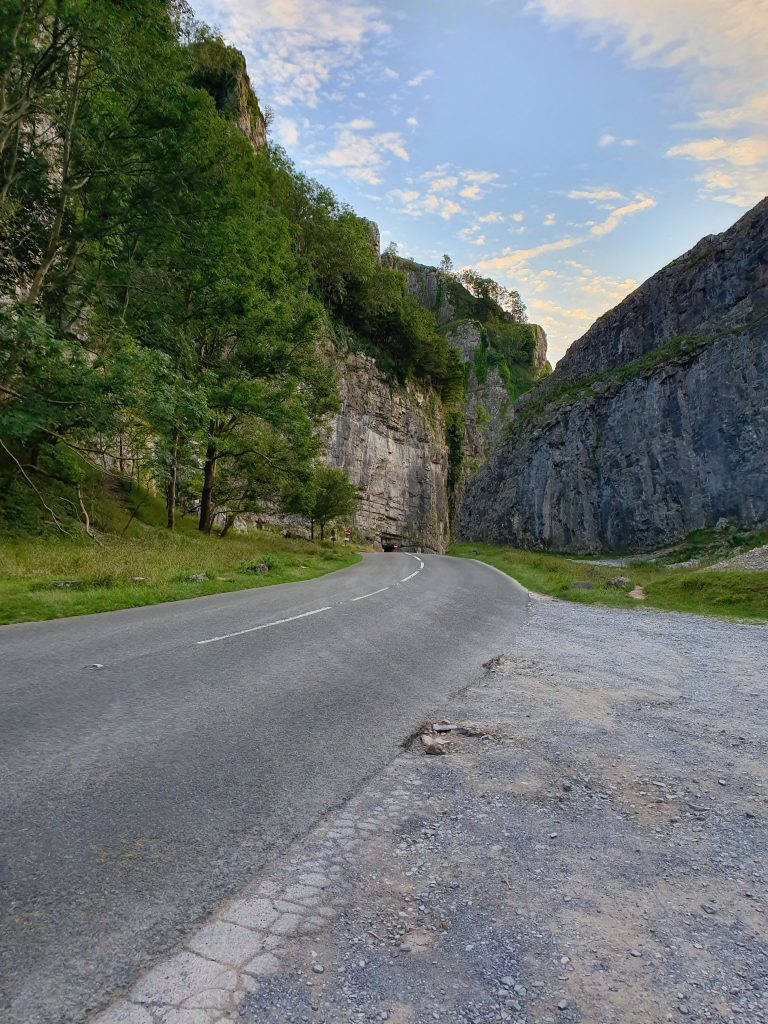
[[287, 131], [617, 216], [595, 195], [606, 139], [740, 172], [745, 152], [519, 216], [470, 235], [415, 203], [480, 177], [294, 46], [391, 73], [550, 219], [494, 217], [412, 122], [421, 77], [472, 192], [361, 154]]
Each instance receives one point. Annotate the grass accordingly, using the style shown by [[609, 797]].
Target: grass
[[146, 565], [742, 595]]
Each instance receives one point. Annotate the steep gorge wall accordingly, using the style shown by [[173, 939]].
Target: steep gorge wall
[[391, 443], [391, 440], [654, 424]]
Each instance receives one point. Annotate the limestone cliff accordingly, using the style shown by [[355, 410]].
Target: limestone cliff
[[391, 443], [394, 441], [655, 423]]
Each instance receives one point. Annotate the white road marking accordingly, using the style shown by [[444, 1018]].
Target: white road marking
[[265, 625], [372, 594], [304, 615]]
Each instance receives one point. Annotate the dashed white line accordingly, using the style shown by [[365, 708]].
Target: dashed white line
[[372, 594], [304, 615], [265, 625]]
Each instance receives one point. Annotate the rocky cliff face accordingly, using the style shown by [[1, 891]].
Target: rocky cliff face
[[391, 443], [654, 424]]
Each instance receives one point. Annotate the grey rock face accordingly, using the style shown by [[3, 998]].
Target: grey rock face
[[642, 457], [391, 443]]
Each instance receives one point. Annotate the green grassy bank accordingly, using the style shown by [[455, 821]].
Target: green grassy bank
[[733, 594], [49, 576]]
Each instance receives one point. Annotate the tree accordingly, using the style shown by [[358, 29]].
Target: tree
[[335, 496], [325, 495], [446, 265]]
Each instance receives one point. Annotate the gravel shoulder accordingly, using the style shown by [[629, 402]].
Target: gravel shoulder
[[593, 851]]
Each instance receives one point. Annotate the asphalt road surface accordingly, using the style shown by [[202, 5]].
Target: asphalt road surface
[[152, 759]]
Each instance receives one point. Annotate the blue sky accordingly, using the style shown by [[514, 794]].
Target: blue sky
[[568, 148]]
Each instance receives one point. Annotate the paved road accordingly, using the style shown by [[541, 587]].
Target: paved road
[[136, 796]]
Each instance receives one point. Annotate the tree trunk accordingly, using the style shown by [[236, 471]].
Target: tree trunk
[[311, 529], [170, 493], [209, 479], [229, 522], [322, 531]]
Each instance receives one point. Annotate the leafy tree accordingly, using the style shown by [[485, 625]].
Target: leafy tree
[[322, 497]]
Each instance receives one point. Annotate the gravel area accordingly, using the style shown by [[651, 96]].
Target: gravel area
[[592, 848], [755, 560], [597, 854]]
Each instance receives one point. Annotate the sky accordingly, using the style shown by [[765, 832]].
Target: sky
[[567, 148]]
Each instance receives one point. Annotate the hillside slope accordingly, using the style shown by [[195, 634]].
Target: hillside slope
[[655, 422]]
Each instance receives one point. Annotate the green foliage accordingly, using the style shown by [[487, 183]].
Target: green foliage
[[321, 497], [706, 592], [480, 357], [455, 430]]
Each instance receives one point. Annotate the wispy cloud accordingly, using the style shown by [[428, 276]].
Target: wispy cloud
[[422, 77], [617, 216], [595, 195], [607, 139]]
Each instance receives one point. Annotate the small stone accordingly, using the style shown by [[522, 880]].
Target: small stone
[[567, 787], [635, 952], [553, 835], [198, 577], [318, 968], [405, 947], [563, 1004]]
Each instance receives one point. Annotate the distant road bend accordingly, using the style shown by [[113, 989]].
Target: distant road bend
[[138, 795]]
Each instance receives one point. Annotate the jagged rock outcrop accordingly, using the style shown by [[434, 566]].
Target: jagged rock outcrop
[[391, 443], [655, 423]]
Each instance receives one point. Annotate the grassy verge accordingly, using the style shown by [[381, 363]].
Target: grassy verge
[[742, 595], [45, 578], [138, 562]]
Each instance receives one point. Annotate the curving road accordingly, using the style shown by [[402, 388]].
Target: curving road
[[136, 796]]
